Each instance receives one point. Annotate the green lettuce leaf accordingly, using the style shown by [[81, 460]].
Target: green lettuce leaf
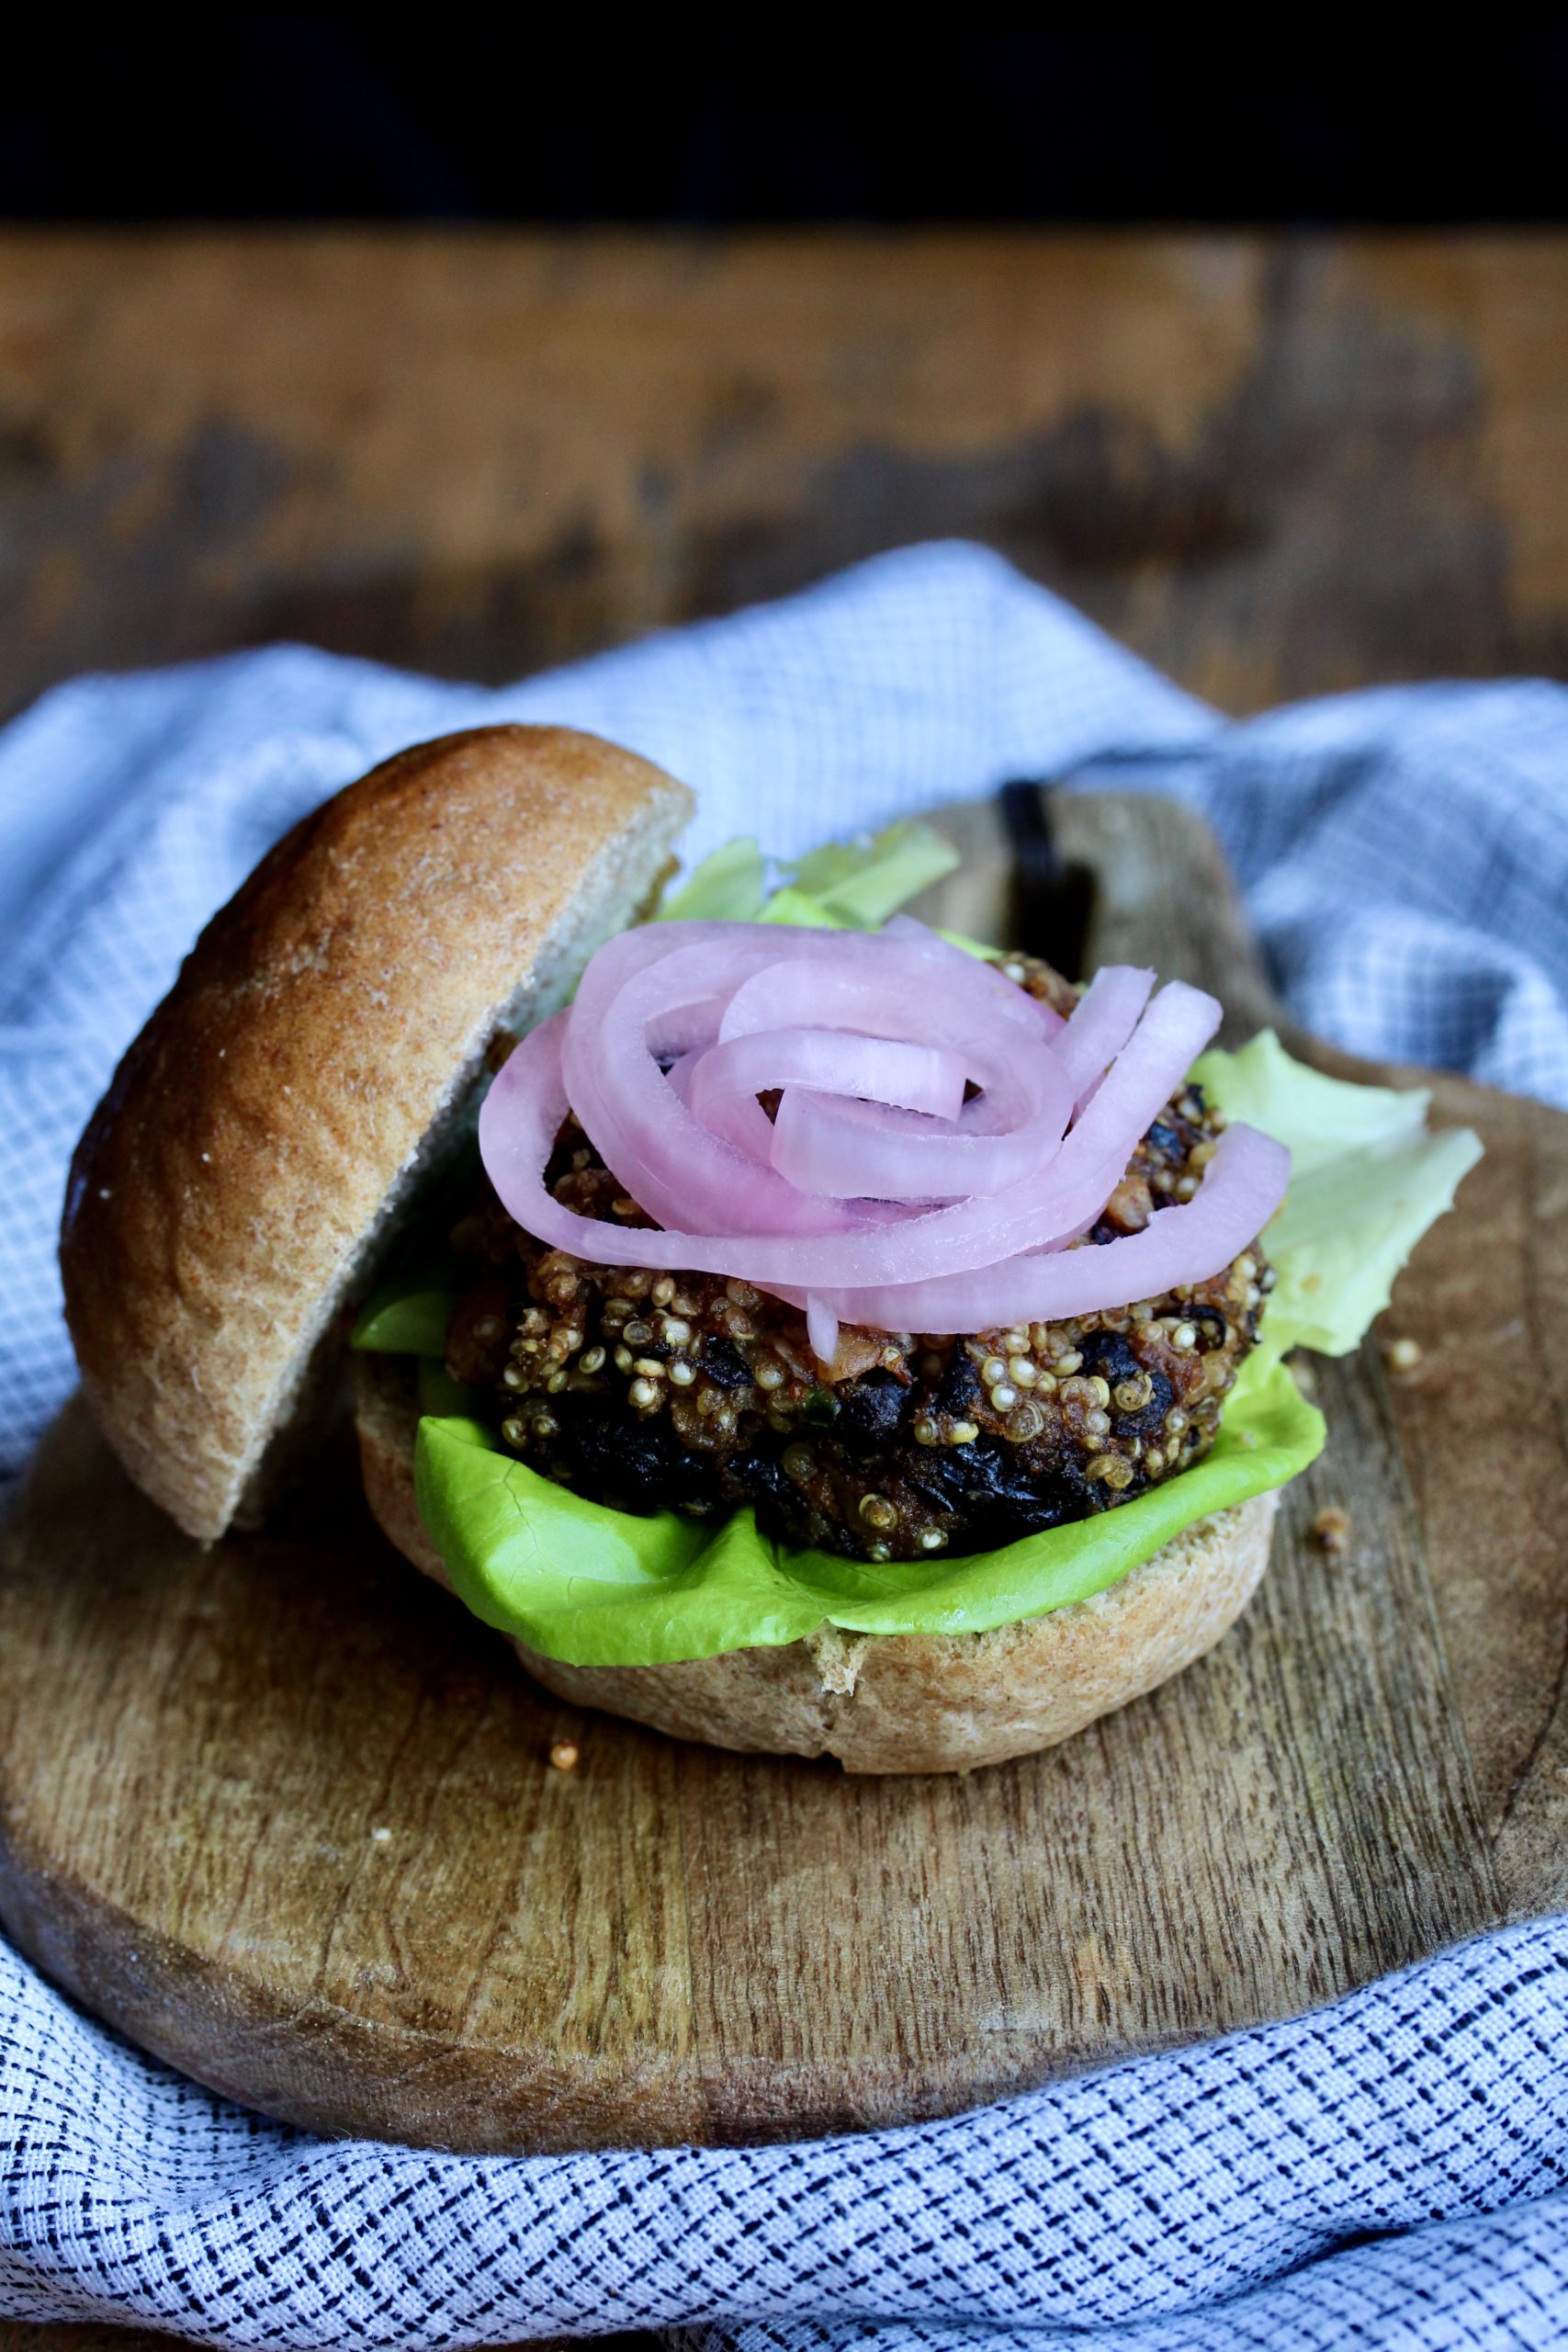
[[729, 887], [859, 884], [405, 1316], [441, 1395], [846, 886], [1365, 1181], [596, 1587]]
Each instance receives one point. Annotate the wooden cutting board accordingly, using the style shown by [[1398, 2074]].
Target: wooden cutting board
[[284, 1813]]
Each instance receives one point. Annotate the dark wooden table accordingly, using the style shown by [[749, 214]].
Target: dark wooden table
[[1274, 465]]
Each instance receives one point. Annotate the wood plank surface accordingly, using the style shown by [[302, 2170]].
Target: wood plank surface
[[1275, 464], [284, 1813]]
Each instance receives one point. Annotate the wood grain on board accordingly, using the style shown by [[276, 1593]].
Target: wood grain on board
[[284, 1812], [1275, 464]]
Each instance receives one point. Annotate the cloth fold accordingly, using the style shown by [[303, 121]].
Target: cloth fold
[[1356, 2176], [1392, 2171]]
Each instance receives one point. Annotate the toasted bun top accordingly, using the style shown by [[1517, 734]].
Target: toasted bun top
[[325, 1036]]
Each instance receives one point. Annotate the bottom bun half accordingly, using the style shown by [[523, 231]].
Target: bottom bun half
[[883, 1703]]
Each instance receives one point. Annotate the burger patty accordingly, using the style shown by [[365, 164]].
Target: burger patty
[[651, 1391]]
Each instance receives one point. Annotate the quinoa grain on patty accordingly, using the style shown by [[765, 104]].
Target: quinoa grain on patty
[[651, 1391]]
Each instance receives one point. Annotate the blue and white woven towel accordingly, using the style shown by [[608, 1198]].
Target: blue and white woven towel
[[1392, 2172]]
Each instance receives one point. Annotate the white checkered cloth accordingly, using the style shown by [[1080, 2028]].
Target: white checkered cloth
[[1394, 2171]]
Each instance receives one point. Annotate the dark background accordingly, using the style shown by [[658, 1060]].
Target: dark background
[[263, 117]]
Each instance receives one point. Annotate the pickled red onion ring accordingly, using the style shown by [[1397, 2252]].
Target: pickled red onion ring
[[1242, 1187], [915, 1078], [877, 1195], [821, 1328], [1100, 1024], [1031, 1011], [849, 1149]]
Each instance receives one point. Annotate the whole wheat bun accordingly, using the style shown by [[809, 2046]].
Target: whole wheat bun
[[324, 1039], [883, 1703]]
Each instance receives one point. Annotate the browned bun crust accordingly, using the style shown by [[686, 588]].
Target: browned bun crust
[[324, 1036], [885, 1703]]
